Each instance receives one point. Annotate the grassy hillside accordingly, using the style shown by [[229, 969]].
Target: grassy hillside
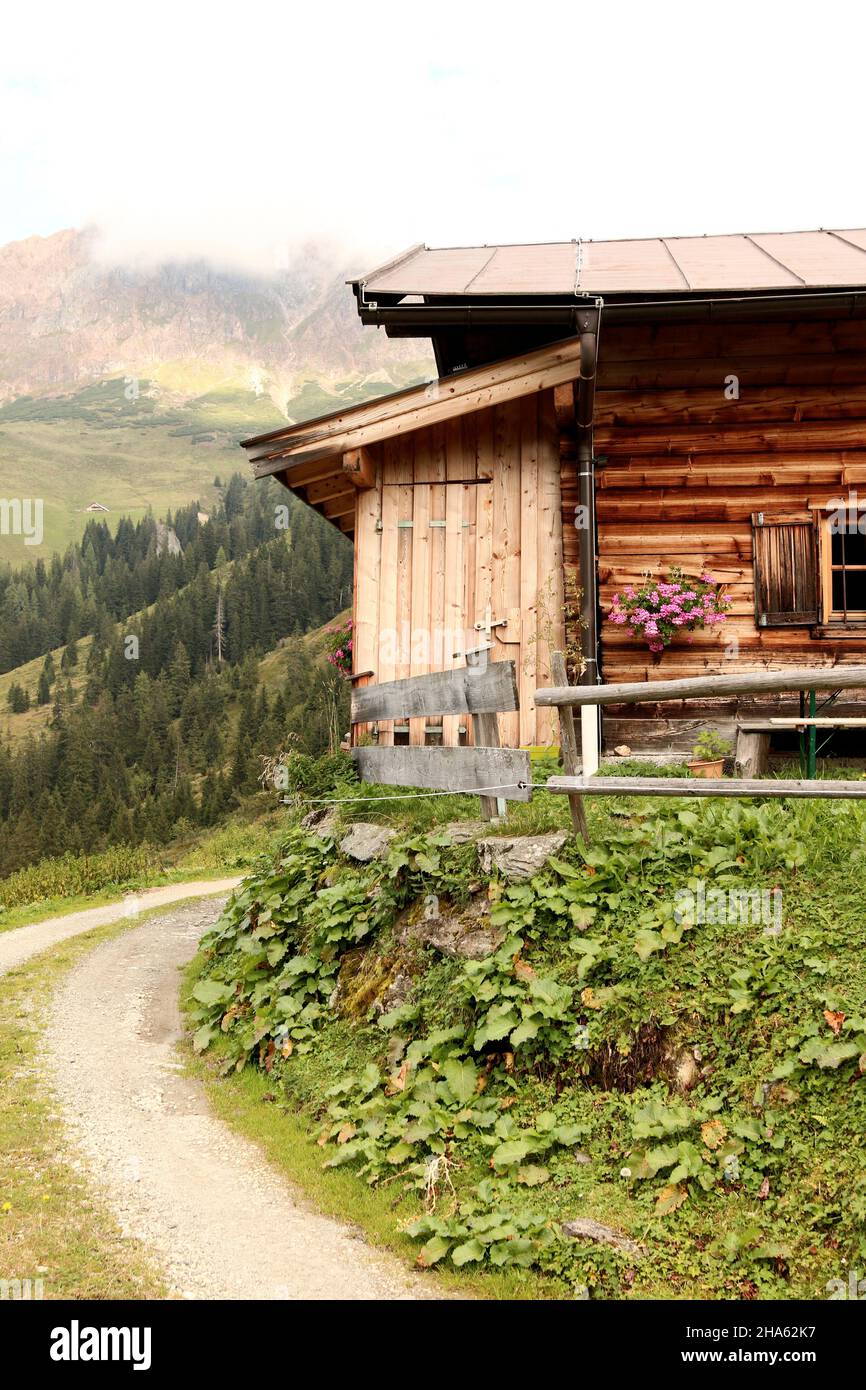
[[134, 457], [694, 1083], [155, 452]]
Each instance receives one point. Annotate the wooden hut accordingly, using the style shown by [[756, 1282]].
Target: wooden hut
[[693, 402]]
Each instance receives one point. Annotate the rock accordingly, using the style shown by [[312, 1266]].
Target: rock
[[366, 840], [464, 933], [581, 1157], [680, 1065], [460, 832], [622, 750], [397, 993], [322, 822], [519, 856], [368, 980], [584, 1228]]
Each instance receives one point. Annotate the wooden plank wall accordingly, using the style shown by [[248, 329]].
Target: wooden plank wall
[[686, 467], [493, 478]]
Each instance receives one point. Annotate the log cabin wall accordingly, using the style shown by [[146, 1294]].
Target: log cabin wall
[[463, 524], [684, 469]]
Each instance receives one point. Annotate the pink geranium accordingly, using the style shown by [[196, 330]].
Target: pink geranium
[[661, 607]]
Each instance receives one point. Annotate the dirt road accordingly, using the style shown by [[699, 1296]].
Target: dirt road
[[21, 943], [220, 1220]]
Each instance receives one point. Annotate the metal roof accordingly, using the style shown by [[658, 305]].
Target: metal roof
[[665, 265]]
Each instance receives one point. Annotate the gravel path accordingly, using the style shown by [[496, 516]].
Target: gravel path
[[220, 1220], [21, 943]]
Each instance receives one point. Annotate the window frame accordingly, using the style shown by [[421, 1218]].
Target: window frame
[[830, 616]]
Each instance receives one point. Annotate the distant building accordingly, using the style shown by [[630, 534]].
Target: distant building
[[96, 507]]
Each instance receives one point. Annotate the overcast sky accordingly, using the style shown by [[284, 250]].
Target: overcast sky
[[239, 129]]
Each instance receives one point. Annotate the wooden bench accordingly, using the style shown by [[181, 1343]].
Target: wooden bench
[[751, 757]]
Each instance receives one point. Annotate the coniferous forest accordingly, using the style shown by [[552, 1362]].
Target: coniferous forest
[[150, 637]]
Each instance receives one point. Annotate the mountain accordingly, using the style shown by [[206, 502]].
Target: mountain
[[130, 387], [68, 319]]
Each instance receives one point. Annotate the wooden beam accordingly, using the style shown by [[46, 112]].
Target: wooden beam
[[448, 398], [336, 507], [713, 686], [506, 770], [705, 786], [819, 723], [466, 690], [359, 466], [336, 485]]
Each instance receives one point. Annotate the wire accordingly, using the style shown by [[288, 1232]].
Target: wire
[[420, 796]]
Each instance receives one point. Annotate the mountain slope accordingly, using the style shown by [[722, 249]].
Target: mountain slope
[[131, 388]]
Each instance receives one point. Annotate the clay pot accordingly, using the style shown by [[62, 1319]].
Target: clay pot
[[698, 768]]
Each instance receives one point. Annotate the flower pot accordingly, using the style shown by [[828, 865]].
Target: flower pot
[[698, 768]]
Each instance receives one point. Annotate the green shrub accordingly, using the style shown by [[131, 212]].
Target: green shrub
[[71, 874]]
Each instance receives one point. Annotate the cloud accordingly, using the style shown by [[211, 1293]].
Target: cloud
[[239, 131]]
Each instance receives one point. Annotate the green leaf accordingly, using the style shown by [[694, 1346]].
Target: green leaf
[[203, 1037], [549, 991], [532, 1174], [468, 1251], [462, 1078], [495, 1028], [511, 1152], [433, 1251], [524, 1032], [828, 1057], [211, 992], [646, 942], [301, 965]]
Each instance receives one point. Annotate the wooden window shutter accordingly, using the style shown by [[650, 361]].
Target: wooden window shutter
[[786, 570]]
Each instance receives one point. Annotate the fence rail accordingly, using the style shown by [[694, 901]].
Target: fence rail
[[711, 687], [481, 689]]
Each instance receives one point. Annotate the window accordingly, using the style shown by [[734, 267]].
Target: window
[[843, 567], [810, 569]]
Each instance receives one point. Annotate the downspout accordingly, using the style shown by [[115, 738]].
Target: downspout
[[588, 568]]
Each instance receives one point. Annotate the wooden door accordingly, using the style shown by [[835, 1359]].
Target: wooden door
[[459, 545]]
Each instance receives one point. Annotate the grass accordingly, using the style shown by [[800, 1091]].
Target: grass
[[53, 1226], [215, 853], [153, 453]]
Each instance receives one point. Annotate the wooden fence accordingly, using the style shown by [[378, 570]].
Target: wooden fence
[[566, 697], [481, 689]]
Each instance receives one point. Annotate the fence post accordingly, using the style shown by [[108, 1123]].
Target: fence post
[[568, 745], [485, 734]]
